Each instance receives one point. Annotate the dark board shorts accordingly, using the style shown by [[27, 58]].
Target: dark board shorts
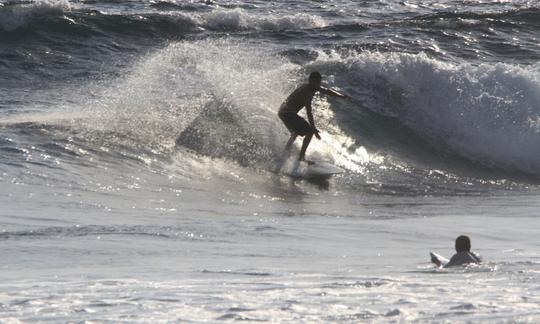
[[295, 124]]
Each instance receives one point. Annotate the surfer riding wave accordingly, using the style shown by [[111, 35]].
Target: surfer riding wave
[[298, 99]]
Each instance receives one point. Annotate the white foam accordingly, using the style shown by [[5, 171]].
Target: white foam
[[16, 16]]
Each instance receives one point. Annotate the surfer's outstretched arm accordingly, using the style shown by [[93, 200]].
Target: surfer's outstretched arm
[[331, 92]]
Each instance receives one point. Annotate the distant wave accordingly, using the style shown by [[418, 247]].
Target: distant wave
[[529, 16], [40, 16], [102, 230], [239, 19]]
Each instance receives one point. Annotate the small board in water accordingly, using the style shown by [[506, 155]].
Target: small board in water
[[442, 260], [313, 170]]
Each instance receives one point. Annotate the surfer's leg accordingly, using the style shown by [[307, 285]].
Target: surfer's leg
[[305, 145], [290, 142]]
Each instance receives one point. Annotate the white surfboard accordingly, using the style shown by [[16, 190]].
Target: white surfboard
[[317, 169], [442, 260]]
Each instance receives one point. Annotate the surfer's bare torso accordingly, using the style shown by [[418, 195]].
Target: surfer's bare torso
[[298, 99]]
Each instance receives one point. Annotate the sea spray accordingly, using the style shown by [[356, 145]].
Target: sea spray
[[163, 94]]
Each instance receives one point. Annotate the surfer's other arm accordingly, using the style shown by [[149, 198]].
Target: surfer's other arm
[[311, 121]]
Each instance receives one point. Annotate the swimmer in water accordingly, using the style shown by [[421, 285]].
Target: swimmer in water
[[463, 255]]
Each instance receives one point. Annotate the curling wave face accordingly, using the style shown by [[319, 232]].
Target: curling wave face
[[486, 113]]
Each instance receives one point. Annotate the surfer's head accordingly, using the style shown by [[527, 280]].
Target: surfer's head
[[315, 79], [463, 243]]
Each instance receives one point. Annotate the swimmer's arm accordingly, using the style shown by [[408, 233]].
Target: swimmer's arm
[[331, 92], [477, 257]]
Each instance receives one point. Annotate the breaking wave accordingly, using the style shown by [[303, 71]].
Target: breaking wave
[[218, 99]]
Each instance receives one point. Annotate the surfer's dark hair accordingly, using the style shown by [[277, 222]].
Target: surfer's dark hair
[[463, 243], [315, 76]]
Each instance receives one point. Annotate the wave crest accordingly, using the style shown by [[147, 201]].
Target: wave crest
[[39, 15], [16, 15], [239, 19], [487, 113]]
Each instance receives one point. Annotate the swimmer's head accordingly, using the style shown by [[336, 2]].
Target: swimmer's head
[[315, 79], [463, 244]]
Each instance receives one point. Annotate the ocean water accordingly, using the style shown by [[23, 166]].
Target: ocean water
[[139, 145]]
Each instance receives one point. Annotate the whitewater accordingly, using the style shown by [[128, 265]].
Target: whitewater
[[140, 145]]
